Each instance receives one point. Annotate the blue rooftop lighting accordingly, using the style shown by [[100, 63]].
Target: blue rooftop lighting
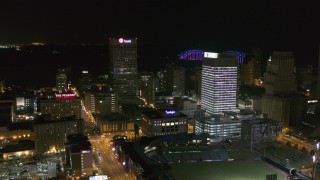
[[240, 55], [193, 55]]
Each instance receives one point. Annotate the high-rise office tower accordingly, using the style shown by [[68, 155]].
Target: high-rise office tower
[[162, 80], [123, 68], [85, 81], [148, 86], [280, 85], [219, 83], [61, 80], [175, 80], [251, 69], [279, 77]]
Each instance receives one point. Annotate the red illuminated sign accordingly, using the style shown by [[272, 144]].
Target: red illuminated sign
[[65, 96]]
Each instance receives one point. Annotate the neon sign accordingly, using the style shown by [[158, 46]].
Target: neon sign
[[170, 112], [65, 96], [126, 41]]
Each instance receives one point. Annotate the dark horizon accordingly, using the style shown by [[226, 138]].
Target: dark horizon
[[270, 25], [164, 28]]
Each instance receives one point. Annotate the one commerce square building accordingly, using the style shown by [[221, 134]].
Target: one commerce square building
[[219, 83], [123, 67]]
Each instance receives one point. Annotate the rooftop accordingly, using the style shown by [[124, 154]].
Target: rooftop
[[113, 117], [27, 125], [163, 113], [42, 120], [21, 146]]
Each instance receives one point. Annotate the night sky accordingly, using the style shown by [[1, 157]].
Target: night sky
[[172, 25]]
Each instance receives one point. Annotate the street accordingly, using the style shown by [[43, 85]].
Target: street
[[107, 162]]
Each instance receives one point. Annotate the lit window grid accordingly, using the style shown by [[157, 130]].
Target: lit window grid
[[219, 88], [219, 129]]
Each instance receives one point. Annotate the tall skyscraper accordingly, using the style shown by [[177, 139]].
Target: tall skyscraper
[[219, 83], [279, 77], [175, 80], [148, 86], [85, 81], [123, 68], [61, 80], [280, 85], [250, 70]]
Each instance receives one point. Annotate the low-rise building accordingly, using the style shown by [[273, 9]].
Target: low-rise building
[[217, 125], [163, 122], [79, 155], [114, 122], [260, 130], [23, 149]]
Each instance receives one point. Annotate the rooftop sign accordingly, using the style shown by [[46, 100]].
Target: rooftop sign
[[210, 55], [65, 96], [125, 41], [170, 112]]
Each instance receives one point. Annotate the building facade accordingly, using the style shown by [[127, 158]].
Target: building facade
[[114, 123], [279, 77], [280, 88], [85, 81], [174, 80], [148, 87], [102, 102], [79, 155], [216, 126], [61, 80], [219, 83], [163, 122], [123, 68], [51, 135], [61, 105], [260, 130]]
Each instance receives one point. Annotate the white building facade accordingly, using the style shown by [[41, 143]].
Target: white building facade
[[219, 83]]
